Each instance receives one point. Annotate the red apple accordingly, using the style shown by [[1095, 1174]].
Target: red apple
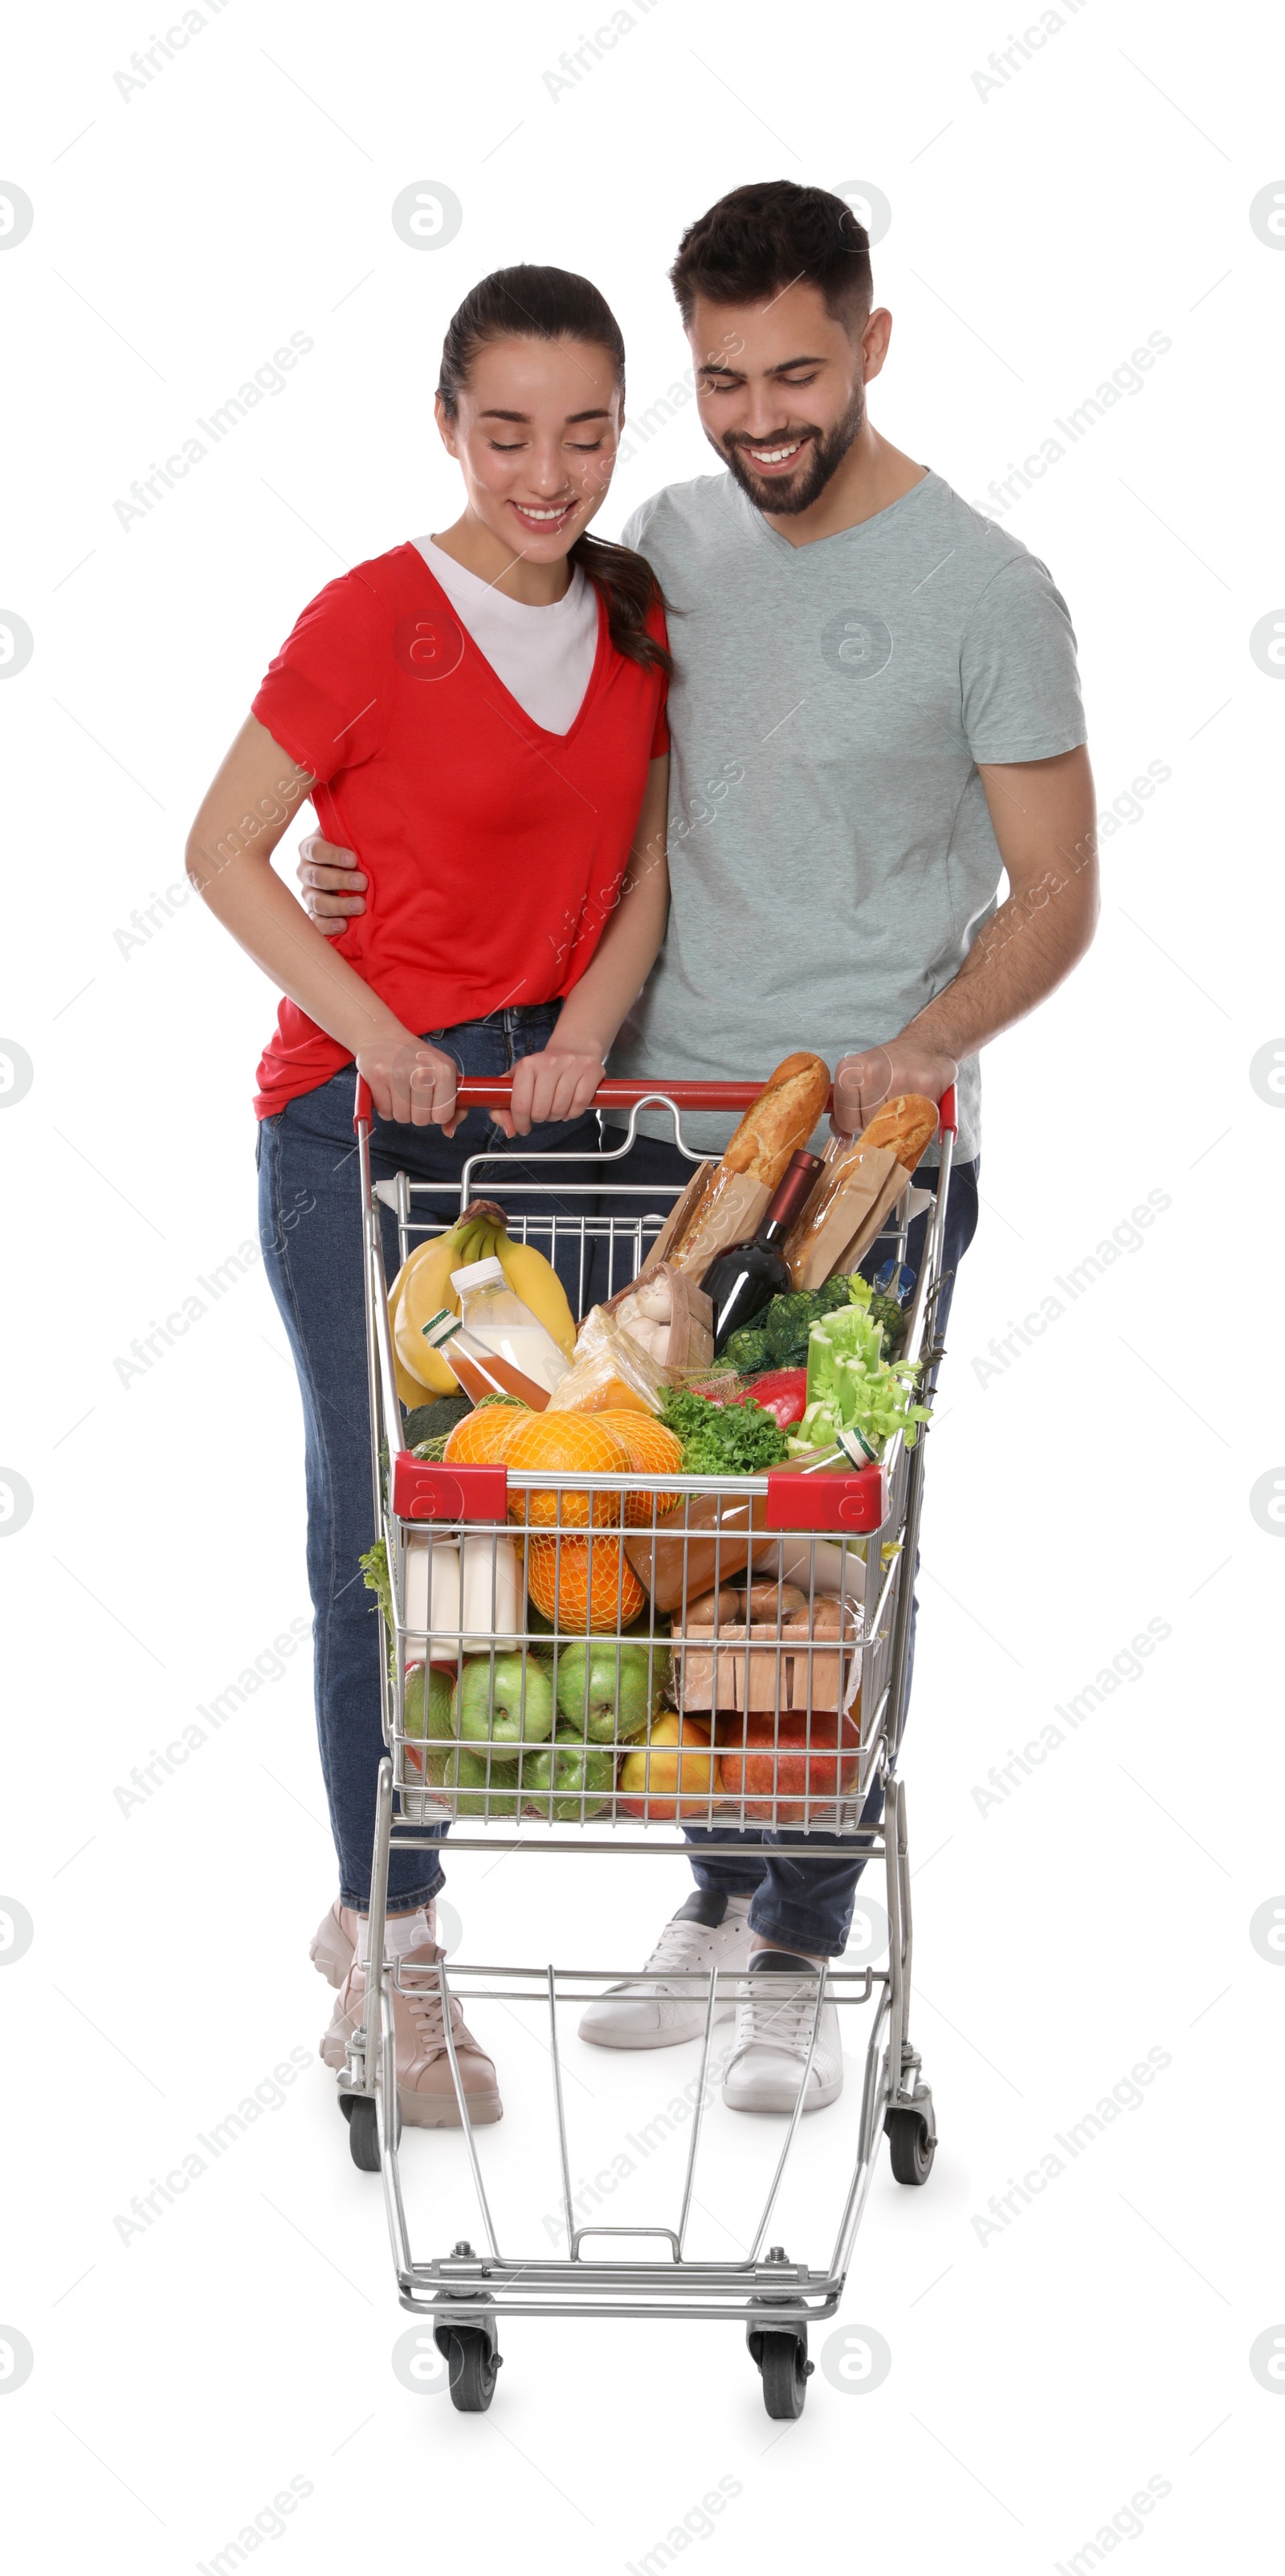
[[797, 1758]]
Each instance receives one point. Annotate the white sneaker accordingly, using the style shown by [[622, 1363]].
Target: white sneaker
[[649, 2011], [773, 2029]]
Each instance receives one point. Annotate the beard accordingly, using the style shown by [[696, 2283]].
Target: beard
[[821, 458]]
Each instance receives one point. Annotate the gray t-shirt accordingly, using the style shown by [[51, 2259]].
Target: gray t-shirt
[[830, 847]]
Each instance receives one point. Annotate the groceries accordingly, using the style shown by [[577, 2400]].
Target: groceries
[[540, 1727], [717, 1538], [611, 1372], [607, 1691], [490, 1593], [569, 1444], [668, 1316], [859, 1183], [541, 1679], [742, 1280], [582, 1585], [654, 1450], [422, 1287], [569, 1780], [497, 1317], [428, 1426], [768, 1648], [504, 1700], [672, 1774], [851, 1387], [784, 1769], [434, 1596], [724, 1205], [427, 1708], [724, 1440], [480, 1370], [893, 1288], [778, 1337], [482, 1437], [781, 1392]]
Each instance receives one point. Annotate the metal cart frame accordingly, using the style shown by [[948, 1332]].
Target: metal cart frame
[[464, 2291]]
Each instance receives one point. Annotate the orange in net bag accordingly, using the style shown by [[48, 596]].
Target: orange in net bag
[[655, 1451], [585, 1586], [481, 1438], [571, 1444]]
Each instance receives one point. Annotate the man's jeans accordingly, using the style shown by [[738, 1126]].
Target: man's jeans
[[807, 1905], [311, 1232]]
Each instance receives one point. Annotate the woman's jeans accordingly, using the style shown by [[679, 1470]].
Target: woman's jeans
[[310, 1224], [807, 1905]]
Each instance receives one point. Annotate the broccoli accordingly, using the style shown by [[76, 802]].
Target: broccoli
[[886, 1311], [778, 1337], [747, 1349], [790, 1319]]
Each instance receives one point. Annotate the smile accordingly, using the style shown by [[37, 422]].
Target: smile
[[772, 456], [544, 518]]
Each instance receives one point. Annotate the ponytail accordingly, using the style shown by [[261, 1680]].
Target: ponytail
[[554, 304]]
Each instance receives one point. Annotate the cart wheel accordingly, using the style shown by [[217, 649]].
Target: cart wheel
[[786, 2371], [909, 2146], [363, 2131], [473, 2362]]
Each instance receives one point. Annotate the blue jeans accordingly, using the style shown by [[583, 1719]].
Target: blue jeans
[[807, 1906], [311, 1231]]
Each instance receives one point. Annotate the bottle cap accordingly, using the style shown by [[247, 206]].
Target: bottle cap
[[792, 1189], [440, 1327], [477, 1274]]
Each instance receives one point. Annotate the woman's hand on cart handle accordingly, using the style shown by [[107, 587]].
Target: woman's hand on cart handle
[[332, 885], [863, 1082], [411, 1082], [559, 1082]]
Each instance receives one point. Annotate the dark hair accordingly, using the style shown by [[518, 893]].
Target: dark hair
[[759, 240], [554, 304]]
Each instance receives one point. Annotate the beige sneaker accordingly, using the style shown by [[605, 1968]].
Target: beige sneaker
[[425, 2086], [333, 1943]]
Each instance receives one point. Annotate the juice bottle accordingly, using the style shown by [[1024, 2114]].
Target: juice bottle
[[481, 1371], [494, 1313]]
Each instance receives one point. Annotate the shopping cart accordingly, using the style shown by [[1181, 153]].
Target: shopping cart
[[789, 1719]]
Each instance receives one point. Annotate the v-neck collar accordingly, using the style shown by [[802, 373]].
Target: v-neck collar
[[539, 733], [839, 536]]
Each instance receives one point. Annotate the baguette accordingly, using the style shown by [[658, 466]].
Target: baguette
[[908, 1124], [781, 1120]]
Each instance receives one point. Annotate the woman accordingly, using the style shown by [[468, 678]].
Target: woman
[[480, 716]]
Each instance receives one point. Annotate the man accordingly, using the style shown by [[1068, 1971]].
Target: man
[[874, 712]]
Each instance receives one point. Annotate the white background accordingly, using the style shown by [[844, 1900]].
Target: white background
[[1042, 2375]]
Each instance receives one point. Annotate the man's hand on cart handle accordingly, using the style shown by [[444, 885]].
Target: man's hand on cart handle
[[863, 1082], [332, 883], [412, 1082]]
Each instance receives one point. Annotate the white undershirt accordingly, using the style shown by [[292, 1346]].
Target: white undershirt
[[544, 656]]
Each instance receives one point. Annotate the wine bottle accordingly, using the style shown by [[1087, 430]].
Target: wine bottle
[[742, 1280]]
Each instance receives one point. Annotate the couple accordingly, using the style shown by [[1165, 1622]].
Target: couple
[[867, 697]]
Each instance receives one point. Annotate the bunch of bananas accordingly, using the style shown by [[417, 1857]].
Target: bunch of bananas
[[423, 1287]]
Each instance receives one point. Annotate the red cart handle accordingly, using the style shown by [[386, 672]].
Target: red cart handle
[[477, 1093]]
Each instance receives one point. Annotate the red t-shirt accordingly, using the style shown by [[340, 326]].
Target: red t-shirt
[[494, 849]]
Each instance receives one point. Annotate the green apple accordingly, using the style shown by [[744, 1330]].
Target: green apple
[[437, 1720], [569, 1779], [504, 1702], [606, 1701], [464, 1778]]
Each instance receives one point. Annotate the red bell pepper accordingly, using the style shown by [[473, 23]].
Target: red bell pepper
[[782, 1392]]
